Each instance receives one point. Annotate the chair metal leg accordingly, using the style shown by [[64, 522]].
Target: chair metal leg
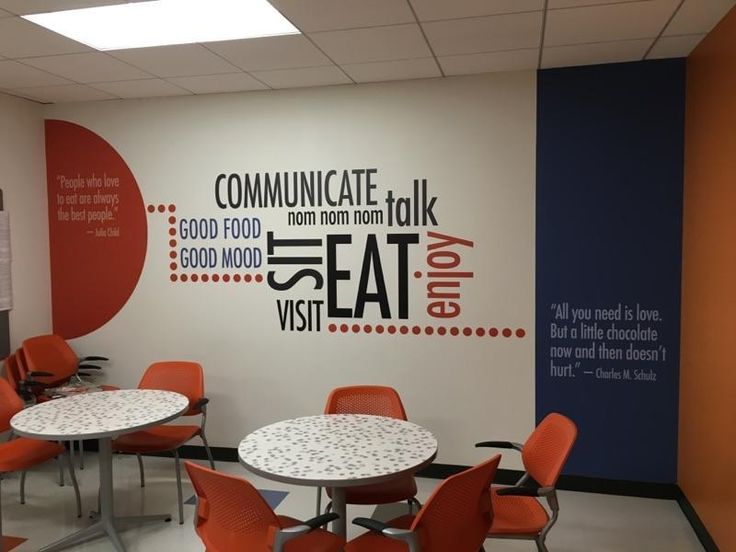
[[73, 477], [319, 501], [23, 487], [60, 462], [207, 449], [140, 469], [81, 454], [328, 508], [541, 547], [178, 487]]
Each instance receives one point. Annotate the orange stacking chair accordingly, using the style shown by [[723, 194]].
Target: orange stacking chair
[[377, 401], [518, 512], [455, 518], [182, 377], [21, 453], [232, 515]]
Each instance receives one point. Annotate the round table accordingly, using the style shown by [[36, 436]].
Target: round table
[[337, 451], [101, 416]]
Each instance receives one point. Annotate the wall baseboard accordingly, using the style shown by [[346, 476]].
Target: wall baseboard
[[641, 489]]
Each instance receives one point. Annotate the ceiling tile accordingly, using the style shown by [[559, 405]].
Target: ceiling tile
[[485, 34], [23, 7], [328, 15], [430, 10], [592, 54], [182, 60], [16, 75], [373, 44], [675, 46], [213, 84], [141, 88], [555, 4], [64, 93], [88, 67], [274, 52], [307, 76], [20, 38], [404, 69], [614, 22], [698, 16], [512, 60]]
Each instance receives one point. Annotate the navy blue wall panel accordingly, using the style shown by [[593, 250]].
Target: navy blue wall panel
[[609, 206]]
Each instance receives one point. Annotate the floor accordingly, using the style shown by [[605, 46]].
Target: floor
[[588, 522]]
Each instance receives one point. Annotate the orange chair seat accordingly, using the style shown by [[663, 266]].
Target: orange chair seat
[[371, 542], [156, 439], [517, 515], [21, 453], [314, 541], [395, 490]]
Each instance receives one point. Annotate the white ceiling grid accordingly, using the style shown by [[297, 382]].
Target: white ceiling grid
[[353, 41]]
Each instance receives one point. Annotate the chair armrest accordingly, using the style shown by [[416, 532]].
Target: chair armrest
[[410, 538], [371, 524], [319, 521], [39, 374], [93, 357], [283, 536], [200, 403], [525, 491], [501, 445], [88, 367]]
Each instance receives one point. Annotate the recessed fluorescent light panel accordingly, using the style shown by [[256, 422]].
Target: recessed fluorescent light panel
[[164, 22]]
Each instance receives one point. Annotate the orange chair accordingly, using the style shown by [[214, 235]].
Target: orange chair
[[378, 401], [232, 515], [518, 512], [182, 377], [21, 453], [455, 518]]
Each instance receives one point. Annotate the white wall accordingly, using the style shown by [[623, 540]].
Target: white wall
[[472, 137], [23, 181]]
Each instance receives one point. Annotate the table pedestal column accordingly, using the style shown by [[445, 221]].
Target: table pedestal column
[[339, 526]]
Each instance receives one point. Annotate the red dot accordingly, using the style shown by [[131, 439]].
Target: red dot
[[507, 332], [172, 266], [236, 277], [416, 330], [344, 328], [174, 277], [379, 328], [151, 208], [205, 277], [172, 208], [480, 332], [172, 220], [429, 330], [225, 277], [195, 277], [454, 330], [184, 277], [467, 331], [520, 332], [172, 243], [172, 254], [493, 332], [442, 330], [332, 328], [215, 277], [404, 330], [417, 274], [247, 278], [259, 278], [172, 231], [367, 328], [392, 329], [161, 208], [356, 328]]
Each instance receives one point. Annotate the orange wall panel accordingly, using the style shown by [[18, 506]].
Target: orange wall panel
[[707, 434]]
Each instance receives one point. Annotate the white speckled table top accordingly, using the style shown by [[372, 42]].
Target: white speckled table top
[[98, 415], [337, 450]]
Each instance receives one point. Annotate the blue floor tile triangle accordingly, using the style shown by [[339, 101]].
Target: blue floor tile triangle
[[274, 498]]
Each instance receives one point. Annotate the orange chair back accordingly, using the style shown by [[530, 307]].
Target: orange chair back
[[547, 448], [231, 513], [458, 514], [10, 404], [50, 353], [12, 371], [366, 399], [180, 376]]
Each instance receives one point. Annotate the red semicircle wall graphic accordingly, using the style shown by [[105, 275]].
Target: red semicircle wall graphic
[[97, 229]]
